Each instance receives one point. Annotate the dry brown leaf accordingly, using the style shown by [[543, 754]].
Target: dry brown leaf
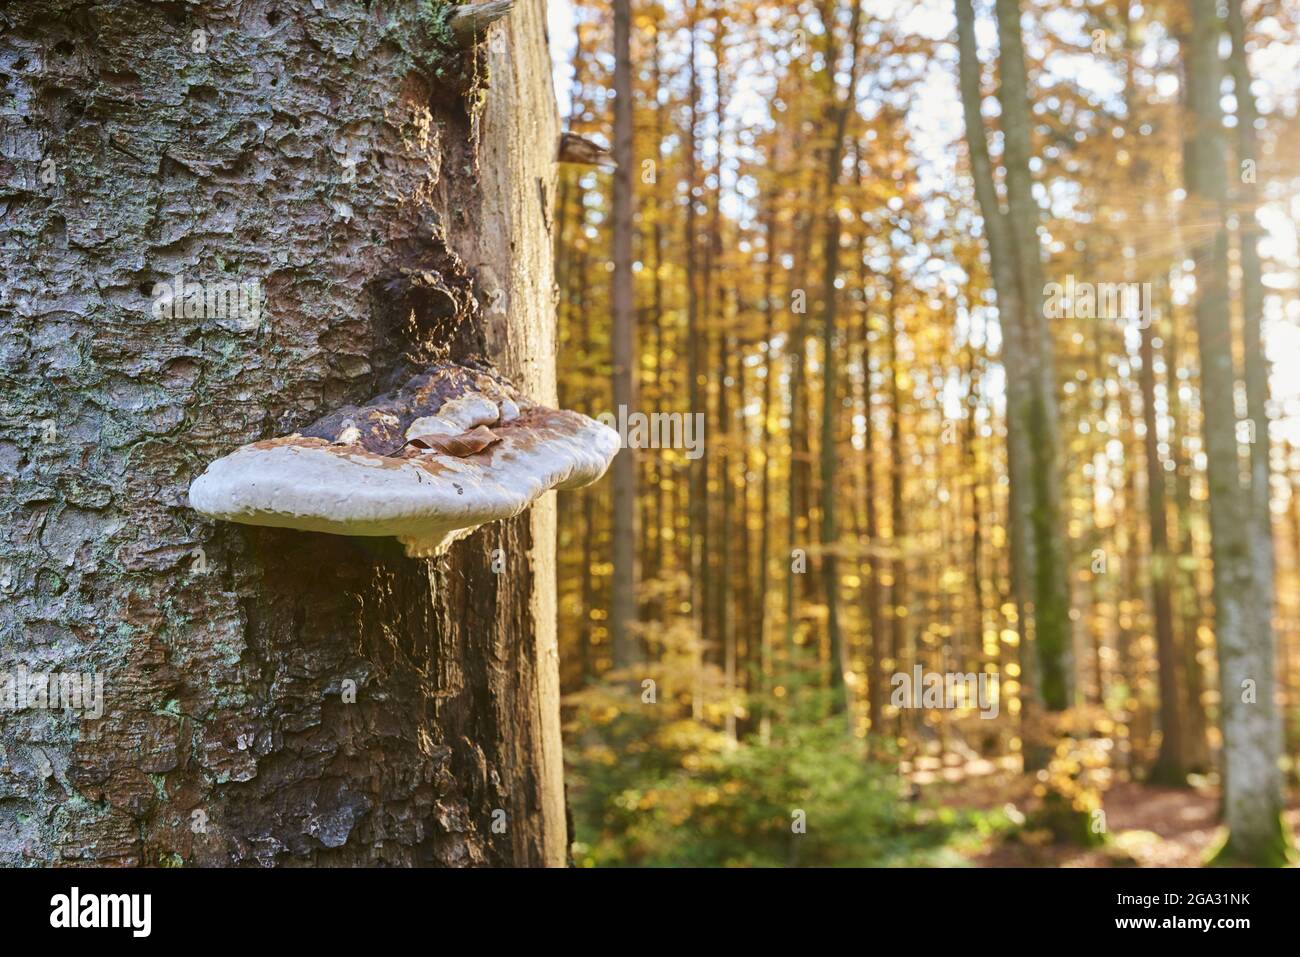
[[466, 443]]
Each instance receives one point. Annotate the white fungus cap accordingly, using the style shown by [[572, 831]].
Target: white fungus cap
[[424, 497]]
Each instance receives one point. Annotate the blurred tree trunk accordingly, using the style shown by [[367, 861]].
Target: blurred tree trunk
[[318, 155], [622, 606], [1256, 366], [716, 545], [697, 484], [899, 644], [1014, 362], [1051, 597], [727, 622], [1193, 607], [657, 465], [1183, 546], [1251, 733], [765, 664], [970, 494], [1170, 767], [872, 597], [841, 109]]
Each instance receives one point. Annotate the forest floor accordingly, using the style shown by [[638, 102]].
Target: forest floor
[[1149, 825]]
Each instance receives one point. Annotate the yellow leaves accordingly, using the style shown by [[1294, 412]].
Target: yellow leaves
[[600, 754], [707, 797], [953, 579]]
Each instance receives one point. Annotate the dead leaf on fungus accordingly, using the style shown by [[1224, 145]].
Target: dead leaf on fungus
[[466, 443]]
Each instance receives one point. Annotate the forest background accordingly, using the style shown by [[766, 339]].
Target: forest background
[[874, 248]]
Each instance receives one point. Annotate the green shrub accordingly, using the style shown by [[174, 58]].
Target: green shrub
[[651, 786]]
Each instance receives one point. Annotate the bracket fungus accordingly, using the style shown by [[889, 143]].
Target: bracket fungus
[[450, 450]]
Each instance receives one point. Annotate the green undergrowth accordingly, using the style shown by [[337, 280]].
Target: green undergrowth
[[652, 785]]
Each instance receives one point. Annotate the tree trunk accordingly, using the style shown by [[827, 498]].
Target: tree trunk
[[622, 609], [1255, 364], [872, 592], [841, 109], [1051, 601], [900, 650], [1169, 766], [1251, 733], [697, 479], [1002, 266], [1187, 597], [765, 497], [320, 155]]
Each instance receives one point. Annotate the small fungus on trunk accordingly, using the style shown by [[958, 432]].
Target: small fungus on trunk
[[450, 450]]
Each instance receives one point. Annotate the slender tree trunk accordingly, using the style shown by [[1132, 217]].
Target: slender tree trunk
[[697, 483], [765, 507], [899, 644], [229, 734], [727, 622], [1286, 649], [970, 463], [1184, 552], [1051, 605], [1252, 735], [589, 496], [622, 610], [798, 458], [830, 405], [1256, 367], [658, 305], [1169, 767], [1022, 558], [714, 307], [1291, 713], [742, 622], [873, 593]]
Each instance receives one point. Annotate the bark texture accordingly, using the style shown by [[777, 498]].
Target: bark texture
[[390, 192]]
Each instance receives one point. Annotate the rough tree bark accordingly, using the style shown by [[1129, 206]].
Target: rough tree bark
[[330, 152]]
